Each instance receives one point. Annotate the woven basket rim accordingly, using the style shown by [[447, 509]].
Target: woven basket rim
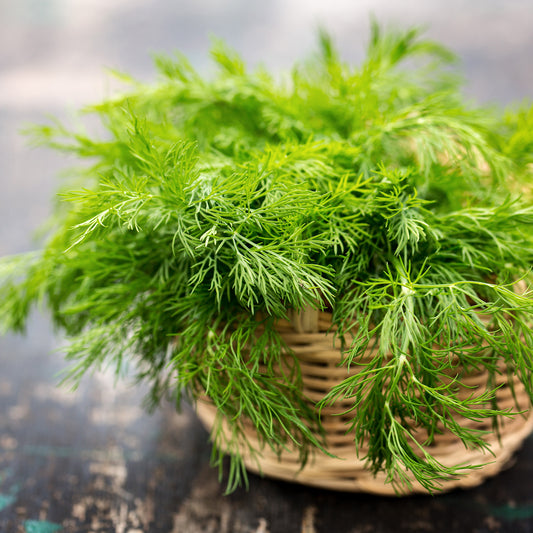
[[306, 334]]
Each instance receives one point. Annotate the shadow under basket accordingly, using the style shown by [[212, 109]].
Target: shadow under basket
[[319, 360]]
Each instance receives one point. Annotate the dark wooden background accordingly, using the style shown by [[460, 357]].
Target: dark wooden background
[[93, 460]]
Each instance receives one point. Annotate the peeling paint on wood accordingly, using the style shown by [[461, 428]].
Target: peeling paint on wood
[[41, 526], [513, 512], [263, 526], [308, 520], [6, 500]]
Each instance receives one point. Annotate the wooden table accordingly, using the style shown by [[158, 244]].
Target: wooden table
[[94, 461]]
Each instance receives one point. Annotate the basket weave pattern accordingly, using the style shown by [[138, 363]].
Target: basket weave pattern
[[319, 362]]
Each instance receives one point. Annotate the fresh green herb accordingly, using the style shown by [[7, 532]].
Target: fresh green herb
[[211, 207]]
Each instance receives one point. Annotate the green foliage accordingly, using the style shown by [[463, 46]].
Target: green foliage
[[211, 207]]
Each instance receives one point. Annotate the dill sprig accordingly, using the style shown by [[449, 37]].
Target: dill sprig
[[213, 206]]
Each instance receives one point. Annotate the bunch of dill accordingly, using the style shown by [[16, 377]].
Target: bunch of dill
[[374, 191]]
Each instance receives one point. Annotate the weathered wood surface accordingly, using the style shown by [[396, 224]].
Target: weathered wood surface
[[94, 461]]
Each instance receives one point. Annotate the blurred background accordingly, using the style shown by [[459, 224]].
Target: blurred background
[[54, 55], [94, 460]]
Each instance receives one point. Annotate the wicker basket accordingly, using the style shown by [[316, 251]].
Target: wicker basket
[[319, 360]]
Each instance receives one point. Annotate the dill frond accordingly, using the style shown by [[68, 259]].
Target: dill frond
[[213, 206]]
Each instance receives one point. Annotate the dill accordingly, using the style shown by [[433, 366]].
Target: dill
[[213, 206]]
